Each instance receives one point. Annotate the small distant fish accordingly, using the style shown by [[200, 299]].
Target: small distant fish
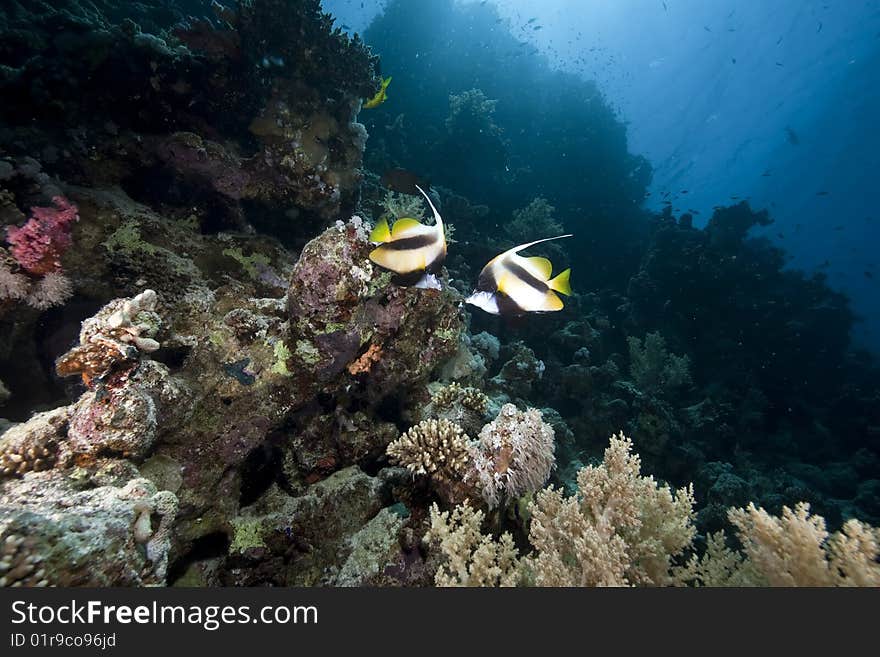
[[272, 60], [839, 227], [869, 274], [684, 191], [822, 193], [665, 8], [412, 250], [706, 27], [513, 285], [733, 59], [537, 27], [819, 29], [778, 41], [531, 20], [380, 96], [766, 174], [779, 64], [792, 137], [346, 27]]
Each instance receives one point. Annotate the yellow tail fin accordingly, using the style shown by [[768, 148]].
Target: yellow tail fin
[[381, 232], [561, 283]]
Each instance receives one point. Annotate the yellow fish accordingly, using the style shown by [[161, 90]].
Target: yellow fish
[[380, 96]]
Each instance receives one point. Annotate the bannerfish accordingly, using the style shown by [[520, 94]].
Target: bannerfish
[[412, 250], [513, 285], [380, 96]]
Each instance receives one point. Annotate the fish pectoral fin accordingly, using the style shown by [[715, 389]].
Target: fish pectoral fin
[[541, 266], [561, 283], [406, 226], [381, 232]]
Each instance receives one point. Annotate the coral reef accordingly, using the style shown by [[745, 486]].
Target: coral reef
[[514, 455], [794, 549], [205, 381], [622, 528], [33, 272], [470, 558], [116, 336], [33, 446], [654, 370], [55, 530], [440, 450]]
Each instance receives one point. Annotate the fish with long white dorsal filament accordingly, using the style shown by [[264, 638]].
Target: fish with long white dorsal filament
[[511, 284], [412, 250]]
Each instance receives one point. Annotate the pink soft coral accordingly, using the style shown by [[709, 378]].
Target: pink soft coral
[[38, 245]]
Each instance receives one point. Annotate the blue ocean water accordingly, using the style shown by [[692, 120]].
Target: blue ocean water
[[707, 91]]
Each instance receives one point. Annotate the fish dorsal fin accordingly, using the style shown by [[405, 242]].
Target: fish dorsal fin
[[381, 232], [406, 227], [522, 247], [540, 266], [433, 209]]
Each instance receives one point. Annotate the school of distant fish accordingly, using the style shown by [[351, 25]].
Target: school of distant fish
[[508, 285]]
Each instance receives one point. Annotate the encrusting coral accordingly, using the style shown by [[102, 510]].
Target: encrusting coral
[[32, 446], [116, 335], [53, 533]]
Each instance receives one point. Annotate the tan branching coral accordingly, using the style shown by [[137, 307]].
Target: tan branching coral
[[621, 529], [438, 448], [471, 398], [470, 558], [514, 455], [797, 550]]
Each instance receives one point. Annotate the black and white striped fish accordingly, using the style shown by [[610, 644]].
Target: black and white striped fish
[[412, 250], [513, 285]]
